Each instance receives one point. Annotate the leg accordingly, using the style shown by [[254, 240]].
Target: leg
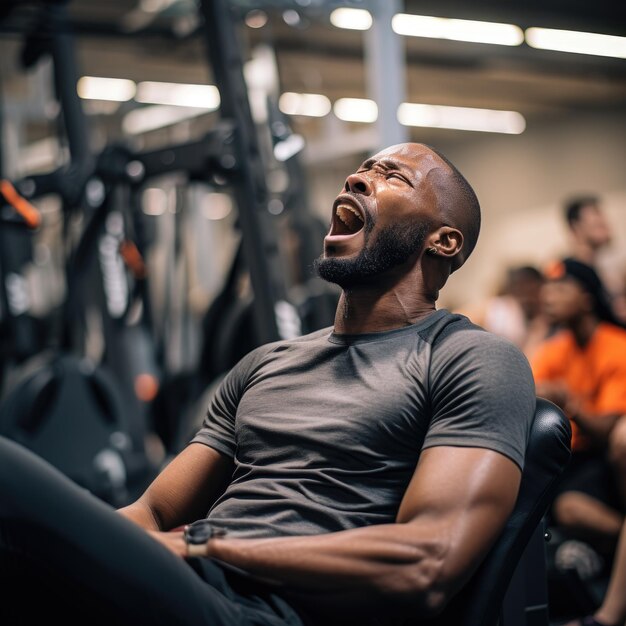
[[580, 512], [613, 609], [612, 612], [617, 455], [588, 502], [55, 531]]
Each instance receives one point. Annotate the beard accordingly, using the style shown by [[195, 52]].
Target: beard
[[393, 246]]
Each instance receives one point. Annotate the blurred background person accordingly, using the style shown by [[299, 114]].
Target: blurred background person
[[589, 228], [590, 234], [582, 369], [515, 312]]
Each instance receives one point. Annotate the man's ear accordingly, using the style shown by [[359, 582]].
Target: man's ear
[[446, 242]]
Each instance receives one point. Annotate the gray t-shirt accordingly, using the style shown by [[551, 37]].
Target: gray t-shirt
[[326, 430]]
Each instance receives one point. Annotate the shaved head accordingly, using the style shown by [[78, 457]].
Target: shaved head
[[459, 206], [454, 197]]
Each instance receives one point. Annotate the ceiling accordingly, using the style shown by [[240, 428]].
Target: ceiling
[[317, 57]]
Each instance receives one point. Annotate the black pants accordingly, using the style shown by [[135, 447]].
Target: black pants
[[76, 560]]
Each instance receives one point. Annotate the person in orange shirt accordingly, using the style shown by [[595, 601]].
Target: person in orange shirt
[[582, 369]]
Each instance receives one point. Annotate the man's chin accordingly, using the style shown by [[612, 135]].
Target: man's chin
[[392, 248], [331, 269], [343, 271]]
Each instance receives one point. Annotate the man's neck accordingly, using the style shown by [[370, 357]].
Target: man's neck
[[368, 310], [582, 251], [583, 328]]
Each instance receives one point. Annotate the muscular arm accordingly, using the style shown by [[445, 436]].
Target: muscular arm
[[453, 510], [184, 491]]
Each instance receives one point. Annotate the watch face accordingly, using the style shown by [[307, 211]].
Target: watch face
[[201, 531]]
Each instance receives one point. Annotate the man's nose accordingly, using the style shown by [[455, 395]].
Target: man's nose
[[356, 183]]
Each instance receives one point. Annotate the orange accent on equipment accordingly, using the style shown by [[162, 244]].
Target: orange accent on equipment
[[133, 259], [31, 215], [146, 387]]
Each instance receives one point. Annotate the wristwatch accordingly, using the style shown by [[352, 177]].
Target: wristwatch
[[197, 535]]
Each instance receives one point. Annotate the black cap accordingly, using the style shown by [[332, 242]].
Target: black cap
[[589, 280]]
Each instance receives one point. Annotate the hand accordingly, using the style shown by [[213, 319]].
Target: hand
[[173, 541]]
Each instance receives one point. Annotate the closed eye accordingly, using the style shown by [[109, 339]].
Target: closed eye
[[379, 167], [400, 177]]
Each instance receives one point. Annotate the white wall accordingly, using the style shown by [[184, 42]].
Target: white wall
[[521, 181]]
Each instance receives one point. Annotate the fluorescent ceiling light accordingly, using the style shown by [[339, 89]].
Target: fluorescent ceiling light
[[352, 19], [178, 94], [98, 88], [150, 118], [457, 30], [311, 104], [577, 42], [461, 118], [356, 110]]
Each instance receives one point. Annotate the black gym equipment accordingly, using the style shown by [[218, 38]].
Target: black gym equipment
[[20, 331], [68, 409], [254, 306], [315, 299], [227, 156]]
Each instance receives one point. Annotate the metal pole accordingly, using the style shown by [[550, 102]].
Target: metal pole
[[386, 71], [258, 232], [65, 77]]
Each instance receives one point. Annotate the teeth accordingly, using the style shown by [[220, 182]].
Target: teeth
[[350, 217], [351, 208]]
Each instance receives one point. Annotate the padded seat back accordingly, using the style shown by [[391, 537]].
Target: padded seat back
[[547, 454]]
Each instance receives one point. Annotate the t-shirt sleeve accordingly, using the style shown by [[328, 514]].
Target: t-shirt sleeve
[[482, 394], [218, 426]]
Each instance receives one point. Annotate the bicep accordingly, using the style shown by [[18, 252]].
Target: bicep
[[465, 496], [187, 487]]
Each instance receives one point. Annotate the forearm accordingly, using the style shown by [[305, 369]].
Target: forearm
[[453, 510], [376, 561], [598, 427]]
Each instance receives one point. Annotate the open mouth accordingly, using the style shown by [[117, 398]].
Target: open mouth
[[347, 219]]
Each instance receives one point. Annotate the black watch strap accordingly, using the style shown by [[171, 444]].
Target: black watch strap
[[197, 535]]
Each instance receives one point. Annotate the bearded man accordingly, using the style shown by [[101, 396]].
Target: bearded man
[[359, 474]]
